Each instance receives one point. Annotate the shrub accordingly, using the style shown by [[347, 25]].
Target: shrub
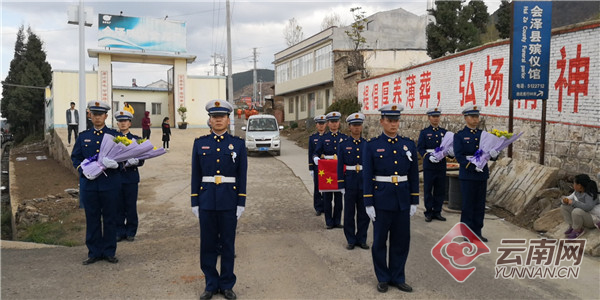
[[345, 106]]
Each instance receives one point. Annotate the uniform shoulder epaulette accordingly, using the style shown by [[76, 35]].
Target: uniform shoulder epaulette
[[237, 137], [204, 136]]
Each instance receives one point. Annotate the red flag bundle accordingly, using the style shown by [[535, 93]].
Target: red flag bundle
[[328, 180]]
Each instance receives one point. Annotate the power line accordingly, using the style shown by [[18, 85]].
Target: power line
[[25, 86]]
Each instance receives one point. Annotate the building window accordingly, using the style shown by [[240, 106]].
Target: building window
[[282, 72], [327, 98], [303, 103], [319, 99], [296, 68], [115, 106], [156, 109], [307, 64], [323, 58], [291, 105]]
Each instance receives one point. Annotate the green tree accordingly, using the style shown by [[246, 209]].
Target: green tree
[[23, 95], [356, 61], [504, 19], [457, 27]]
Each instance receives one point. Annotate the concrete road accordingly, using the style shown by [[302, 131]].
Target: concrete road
[[283, 249]]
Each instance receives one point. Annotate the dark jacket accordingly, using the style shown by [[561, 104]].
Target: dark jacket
[[146, 120], [166, 132]]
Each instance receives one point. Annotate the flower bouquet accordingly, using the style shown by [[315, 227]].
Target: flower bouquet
[[496, 140], [118, 149], [152, 153], [445, 147]]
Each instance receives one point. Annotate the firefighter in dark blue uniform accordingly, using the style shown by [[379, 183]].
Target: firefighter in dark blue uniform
[[327, 149], [434, 171], [99, 196], [473, 181], [391, 195], [350, 178], [313, 140], [127, 219], [219, 168]]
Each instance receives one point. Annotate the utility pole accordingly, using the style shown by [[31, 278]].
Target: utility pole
[[230, 71], [214, 64], [81, 21], [254, 98]]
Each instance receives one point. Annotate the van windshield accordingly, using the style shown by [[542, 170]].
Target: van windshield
[[262, 125]]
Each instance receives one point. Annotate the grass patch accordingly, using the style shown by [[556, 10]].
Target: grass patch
[[52, 233], [6, 222]]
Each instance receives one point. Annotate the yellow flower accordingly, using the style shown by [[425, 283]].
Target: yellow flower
[[123, 140], [501, 133], [141, 141]]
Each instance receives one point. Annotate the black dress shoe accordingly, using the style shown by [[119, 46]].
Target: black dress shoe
[[329, 226], [439, 217], [404, 287], [428, 219], [120, 238], [350, 246], [111, 259], [91, 260], [364, 246], [130, 238], [339, 226], [382, 287], [229, 294], [207, 295], [318, 213], [483, 239]]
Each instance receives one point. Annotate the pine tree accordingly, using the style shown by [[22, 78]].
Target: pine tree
[[457, 27], [504, 19], [23, 105]]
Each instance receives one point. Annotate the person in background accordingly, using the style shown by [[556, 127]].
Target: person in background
[[127, 216], [576, 207], [391, 195], [350, 178], [129, 108], [166, 133], [89, 124], [98, 196], [72, 122], [434, 171], [313, 140], [146, 123], [218, 198], [473, 181]]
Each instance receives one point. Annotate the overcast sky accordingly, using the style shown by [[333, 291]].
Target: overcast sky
[[257, 24]]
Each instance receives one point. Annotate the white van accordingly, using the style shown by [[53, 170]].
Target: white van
[[262, 134]]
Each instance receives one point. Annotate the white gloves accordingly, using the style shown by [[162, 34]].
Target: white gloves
[[413, 209], [478, 169], [240, 210], [433, 159], [132, 162], [312, 173], [370, 212], [494, 153], [109, 163], [316, 160], [196, 211], [89, 177], [451, 152]]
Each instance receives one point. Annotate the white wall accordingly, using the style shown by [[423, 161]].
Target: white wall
[[446, 83]]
